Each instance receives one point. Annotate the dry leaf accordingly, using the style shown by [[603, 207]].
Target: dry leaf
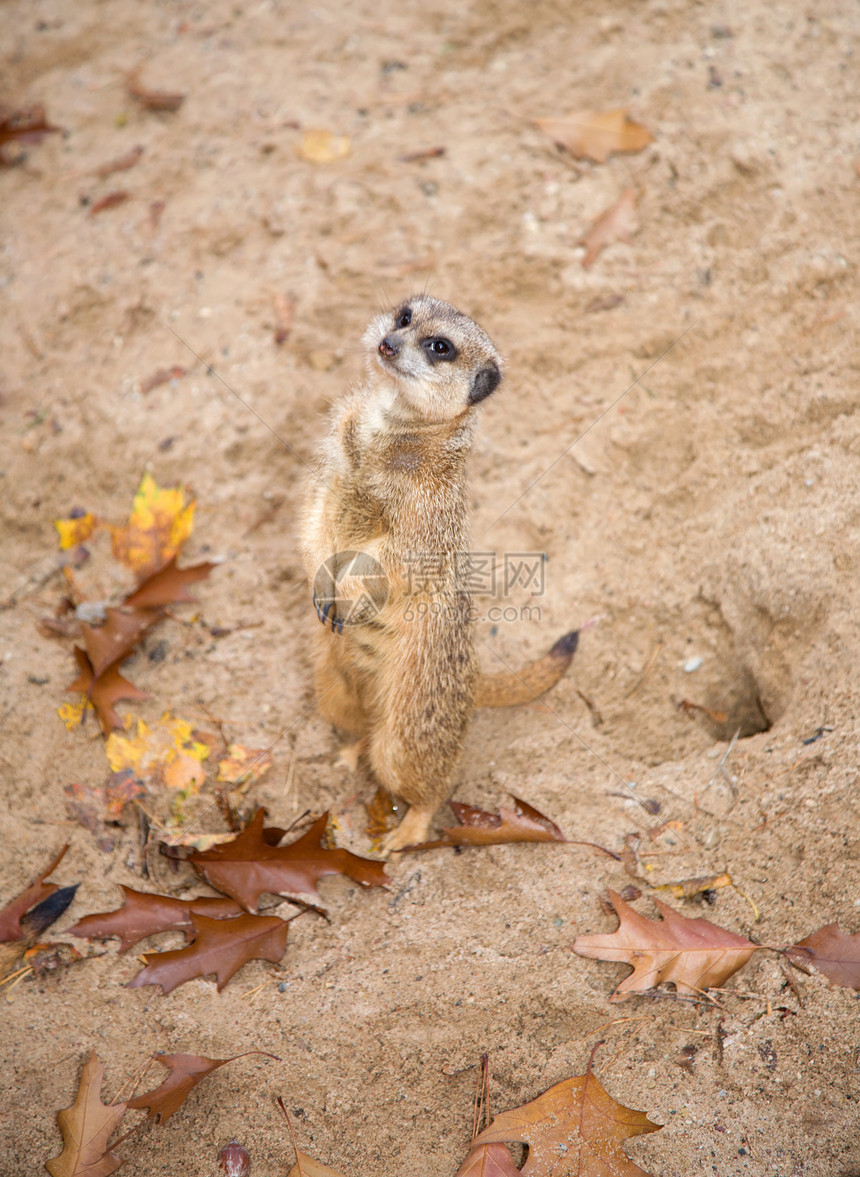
[[243, 765], [161, 521], [618, 223], [477, 827], [109, 200], [592, 134], [186, 1071], [144, 914], [10, 916], [832, 952], [220, 946], [76, 529], [690, 888], [162, 376], [86, 1127], [249, 864], [284, 308], [152, 99], [167, 586], [306, 1166], [575, 1127], [692, 953], [323, 146], [114, 641], [33, 924], [105, 691], [27, 125], [121, 164], [488, 1160], [166, 753]]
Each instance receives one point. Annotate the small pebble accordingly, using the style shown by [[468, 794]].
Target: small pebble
[[692, 664]]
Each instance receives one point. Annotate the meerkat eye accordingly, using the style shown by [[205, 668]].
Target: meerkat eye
[[438, 348], [404, 318]]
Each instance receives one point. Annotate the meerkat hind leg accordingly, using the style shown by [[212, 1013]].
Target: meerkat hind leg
[[414, 828]]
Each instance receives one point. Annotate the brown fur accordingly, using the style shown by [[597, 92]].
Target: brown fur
[[392, 483]]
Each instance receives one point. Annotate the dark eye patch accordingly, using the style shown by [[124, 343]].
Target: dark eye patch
[[438, 348], [403, 317]]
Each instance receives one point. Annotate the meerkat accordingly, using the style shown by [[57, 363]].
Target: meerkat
[[395, 657]]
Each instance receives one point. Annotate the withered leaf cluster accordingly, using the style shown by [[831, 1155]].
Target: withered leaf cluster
[[225, 933], [149, 543], [88, 1124]]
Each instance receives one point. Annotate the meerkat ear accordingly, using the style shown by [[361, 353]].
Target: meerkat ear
[[485, 382]]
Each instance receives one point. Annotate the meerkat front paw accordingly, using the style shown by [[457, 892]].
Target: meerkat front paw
[[327, 613]]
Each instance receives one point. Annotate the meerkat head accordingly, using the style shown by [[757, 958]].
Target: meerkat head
[[441, 363]]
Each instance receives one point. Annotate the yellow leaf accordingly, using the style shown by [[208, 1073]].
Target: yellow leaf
[[167, 753], [161, 521], [72, 714], [75, 531], [323, 146]]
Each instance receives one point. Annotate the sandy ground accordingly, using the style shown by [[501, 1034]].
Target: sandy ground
[[710, 512]]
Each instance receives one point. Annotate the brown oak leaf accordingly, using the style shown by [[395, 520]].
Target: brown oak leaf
[[115, 640], [478, 827], [832, 952], [220, 947], [144, 914], [86, 1127], [575, 1129], [167, 586], [692, 953], [618, 223], [248, 865], [186, 1071], [593, 134], [106, 690], [10, 916]]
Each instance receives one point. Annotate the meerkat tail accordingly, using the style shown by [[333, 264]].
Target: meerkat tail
[[514, 687]]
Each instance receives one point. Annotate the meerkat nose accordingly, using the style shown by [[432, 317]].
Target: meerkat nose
[[388, 347]]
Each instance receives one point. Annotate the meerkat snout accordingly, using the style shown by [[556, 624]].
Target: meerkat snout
[[388, 347]]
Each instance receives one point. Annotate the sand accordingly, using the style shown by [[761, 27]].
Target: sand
[[677, 434]]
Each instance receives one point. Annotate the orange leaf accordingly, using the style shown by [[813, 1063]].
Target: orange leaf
[[692, 953], [574, 1128], [592, 134], [86, 1127], [618, 223], [832, 952], [160, 522]]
